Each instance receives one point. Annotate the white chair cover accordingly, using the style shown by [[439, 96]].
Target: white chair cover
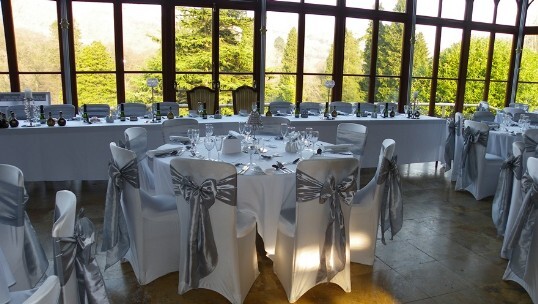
[[366, 106], [166, 105], [458, 145], [217, 242], [530, 140], [137, 109], [47, 293], [20, 114], [483, 116], [136, 140], [98, 110], [516, 199], [311, 107], [6, 279], [514, 112], [343, 107], [533, 118], [74, 253], [145, 226], [18, 239], [68, 110], [174, 127], [271, 125], [354, 134], [283, 107], [365, 212], [381, 104], [479, 171], [312, 245], [510, 176], [523, 239]]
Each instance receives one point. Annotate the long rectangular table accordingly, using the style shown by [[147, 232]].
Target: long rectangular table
[[81, 152]]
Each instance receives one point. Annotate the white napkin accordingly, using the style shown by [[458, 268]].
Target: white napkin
[[338, 148], [179, 139], [159, 152], [235, 134]]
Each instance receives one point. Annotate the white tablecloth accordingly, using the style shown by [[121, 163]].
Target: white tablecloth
[[81, 152], [500, 142]]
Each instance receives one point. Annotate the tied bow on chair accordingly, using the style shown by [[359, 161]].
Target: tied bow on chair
[[78, 253], [469, 158], [503, 195], [450, 144], [308, 188], [392, 203], [530, 144], [115, 235], [520, 238], [202, 256]]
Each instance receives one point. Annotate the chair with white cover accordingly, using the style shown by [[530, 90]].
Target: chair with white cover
[[312, 245], [98, 110], [18, 240], [533, 118], [46, 293], [513, 112], [530, 141], [366, 210], [310, 107], [19, 111], [226, 260], [343, 107], [523, 239], [483, 116], [177, 127], [141, 227], [458, 145], [68, 110], [479, 171], [353, 134], [136, 140], [167, 106], [391, 105], [137, 109], [271, 125], [366, 106], [282, 107]]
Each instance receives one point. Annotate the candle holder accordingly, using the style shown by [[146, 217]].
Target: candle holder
[[255, 121]]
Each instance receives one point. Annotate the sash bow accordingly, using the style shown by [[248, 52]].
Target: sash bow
[[469, 158], [392, 202], [510, 168], [530, 144]]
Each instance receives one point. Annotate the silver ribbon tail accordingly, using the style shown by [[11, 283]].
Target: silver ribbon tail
[[503, 195], [392, 202], [469, 159], [450, 145]]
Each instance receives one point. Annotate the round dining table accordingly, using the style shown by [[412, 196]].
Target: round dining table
[[500, 141]]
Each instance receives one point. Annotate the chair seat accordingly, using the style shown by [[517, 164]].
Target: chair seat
[[286, 222], [493, 158], [245, 223], [159, 206]]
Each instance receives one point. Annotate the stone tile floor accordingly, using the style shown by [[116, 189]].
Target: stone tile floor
[[446, 252]]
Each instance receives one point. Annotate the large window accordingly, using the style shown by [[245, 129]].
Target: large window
[[355, 79], [4, 75]]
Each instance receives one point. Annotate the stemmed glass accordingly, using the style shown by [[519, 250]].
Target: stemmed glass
[[301, 144], [308, 135], [209, 143], [208, 130], [242, 128], [321, 110], [291, 130], [247, 130], [194, 136], [314, 138], [218, 145], [254, 107], [283, 129], [252, 146]]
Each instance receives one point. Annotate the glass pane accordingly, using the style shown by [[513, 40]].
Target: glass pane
[[280, 87], [497, 94], [5, 83], [352, 89], [232, 82], [423, 53], [527, 93], [532, 15], [478, 55], [389, 49], [188, 81], [94, 36], [45, 83], [501, 57], [236, 41], [483, 10], [422, 86], [449, 59], [446, 94], [281, 40], [474, 91], [313, 87], [529, 58], [193, 39], [355, 43], [141, 37], [368, 4], [325, 2], [453, 9], [97, 88], [36, 36], [387, 89], [427, 7], [3, 50], [507, 12], [319, 38], [392, 5], [137, 90]]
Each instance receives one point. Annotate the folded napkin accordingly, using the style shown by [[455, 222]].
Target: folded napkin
[[160, 152], [233, 134], [179, 139], [278, 113], [338, 148], [342, 113]]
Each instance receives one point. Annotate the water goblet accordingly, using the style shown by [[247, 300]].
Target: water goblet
[[209, 143], [321, 110], [314, 138], [283, 129], [247, 130], [218, 145], [291, 131], [208, 130], [242, 127], [308, 135], [252, 145]]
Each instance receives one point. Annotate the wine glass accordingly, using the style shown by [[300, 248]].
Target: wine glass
[[208, 130], [194, 136], [283, 129], [291, 131], [292, 108], [252, 146], [247, 130], [321, 110], [254, 107], [218, 145], [242, 127], [308, 135], [314, 138], [209, 143]]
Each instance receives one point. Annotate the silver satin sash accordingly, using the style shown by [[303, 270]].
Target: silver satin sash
[[510, 169], [78, 253], [530, 144], [13, 200], [469, 158], [357, 140], [450, 145], [392, 202], [333, 253], [115, 234], [202, 256], [520, 238], [457, 127]]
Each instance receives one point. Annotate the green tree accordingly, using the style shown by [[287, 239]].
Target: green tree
[[96, 88], [286, 84]]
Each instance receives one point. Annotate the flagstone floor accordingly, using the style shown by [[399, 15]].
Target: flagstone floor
[[447, 252]]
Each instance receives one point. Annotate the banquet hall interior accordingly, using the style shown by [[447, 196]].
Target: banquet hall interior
[[453, 82]]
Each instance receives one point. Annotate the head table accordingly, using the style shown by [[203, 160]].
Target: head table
[[79, 151]]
